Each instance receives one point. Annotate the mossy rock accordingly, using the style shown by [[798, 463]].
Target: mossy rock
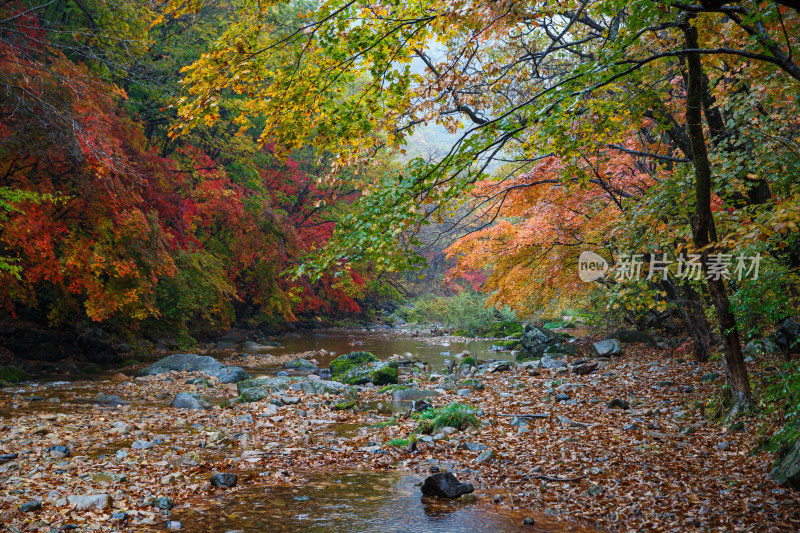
[[461, 333], [472, 383], [341, 406], [12, 374], [391, 388], [342, 364], [468, 361], [507, 344], [504, 329], [384, 375]]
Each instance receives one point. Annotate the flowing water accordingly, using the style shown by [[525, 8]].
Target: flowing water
[[356, 502], [342, 501]]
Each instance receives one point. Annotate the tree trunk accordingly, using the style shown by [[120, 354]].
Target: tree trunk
[[703, 223]]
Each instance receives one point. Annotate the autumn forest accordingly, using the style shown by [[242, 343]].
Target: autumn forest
[[337, 265]]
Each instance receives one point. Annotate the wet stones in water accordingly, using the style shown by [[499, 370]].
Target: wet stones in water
[[618, 403], [195, 363], [325, 373], [189, 400], [420, 405], [301, 365], [58, 452], [29, 507], [445, 485], [111, 400], [225, 479]]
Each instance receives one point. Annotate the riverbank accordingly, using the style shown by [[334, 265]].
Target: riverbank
[[627, 447]]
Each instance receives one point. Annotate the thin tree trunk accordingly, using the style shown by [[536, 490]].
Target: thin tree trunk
[[703, 224]]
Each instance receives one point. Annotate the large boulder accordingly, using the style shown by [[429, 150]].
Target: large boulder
[[632, 336], [537, 341], [195, 363], [608, 347], [359, 368], [786, 470], [410, 394], [445, 485], [345, 362], [253, 390]]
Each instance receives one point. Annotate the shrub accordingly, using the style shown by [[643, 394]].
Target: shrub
[[454, 415]]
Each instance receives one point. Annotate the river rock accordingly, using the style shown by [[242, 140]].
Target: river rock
[[111, 400], [486, 456], [224, 479], [189, 400], [608, 347], [585, 368], [359, 368], [29, 507], [253, 390], [445, 485], [58, 451], [550, 362], [99, 502], [195, 363], [536, 341], [301, 365]]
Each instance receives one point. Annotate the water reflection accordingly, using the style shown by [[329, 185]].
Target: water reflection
[[354, 502]]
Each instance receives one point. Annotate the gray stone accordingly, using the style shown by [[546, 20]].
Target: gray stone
[[608, 347], [143, 445], [550, 363], [253, 390], [195, 363], [464, 392], [473, 446], [562, 397], [226, 480], [174, 525], [29, 507], [445, 485], [301, 365], [585, 368], [189, 400], [486, 456], [164, 503], [536, 341], [98, 502]]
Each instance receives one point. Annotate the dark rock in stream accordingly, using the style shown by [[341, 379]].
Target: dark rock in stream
[[445, 485], [111, 400], [195, 363], [33, 505], [62, 450], [227, 480]]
